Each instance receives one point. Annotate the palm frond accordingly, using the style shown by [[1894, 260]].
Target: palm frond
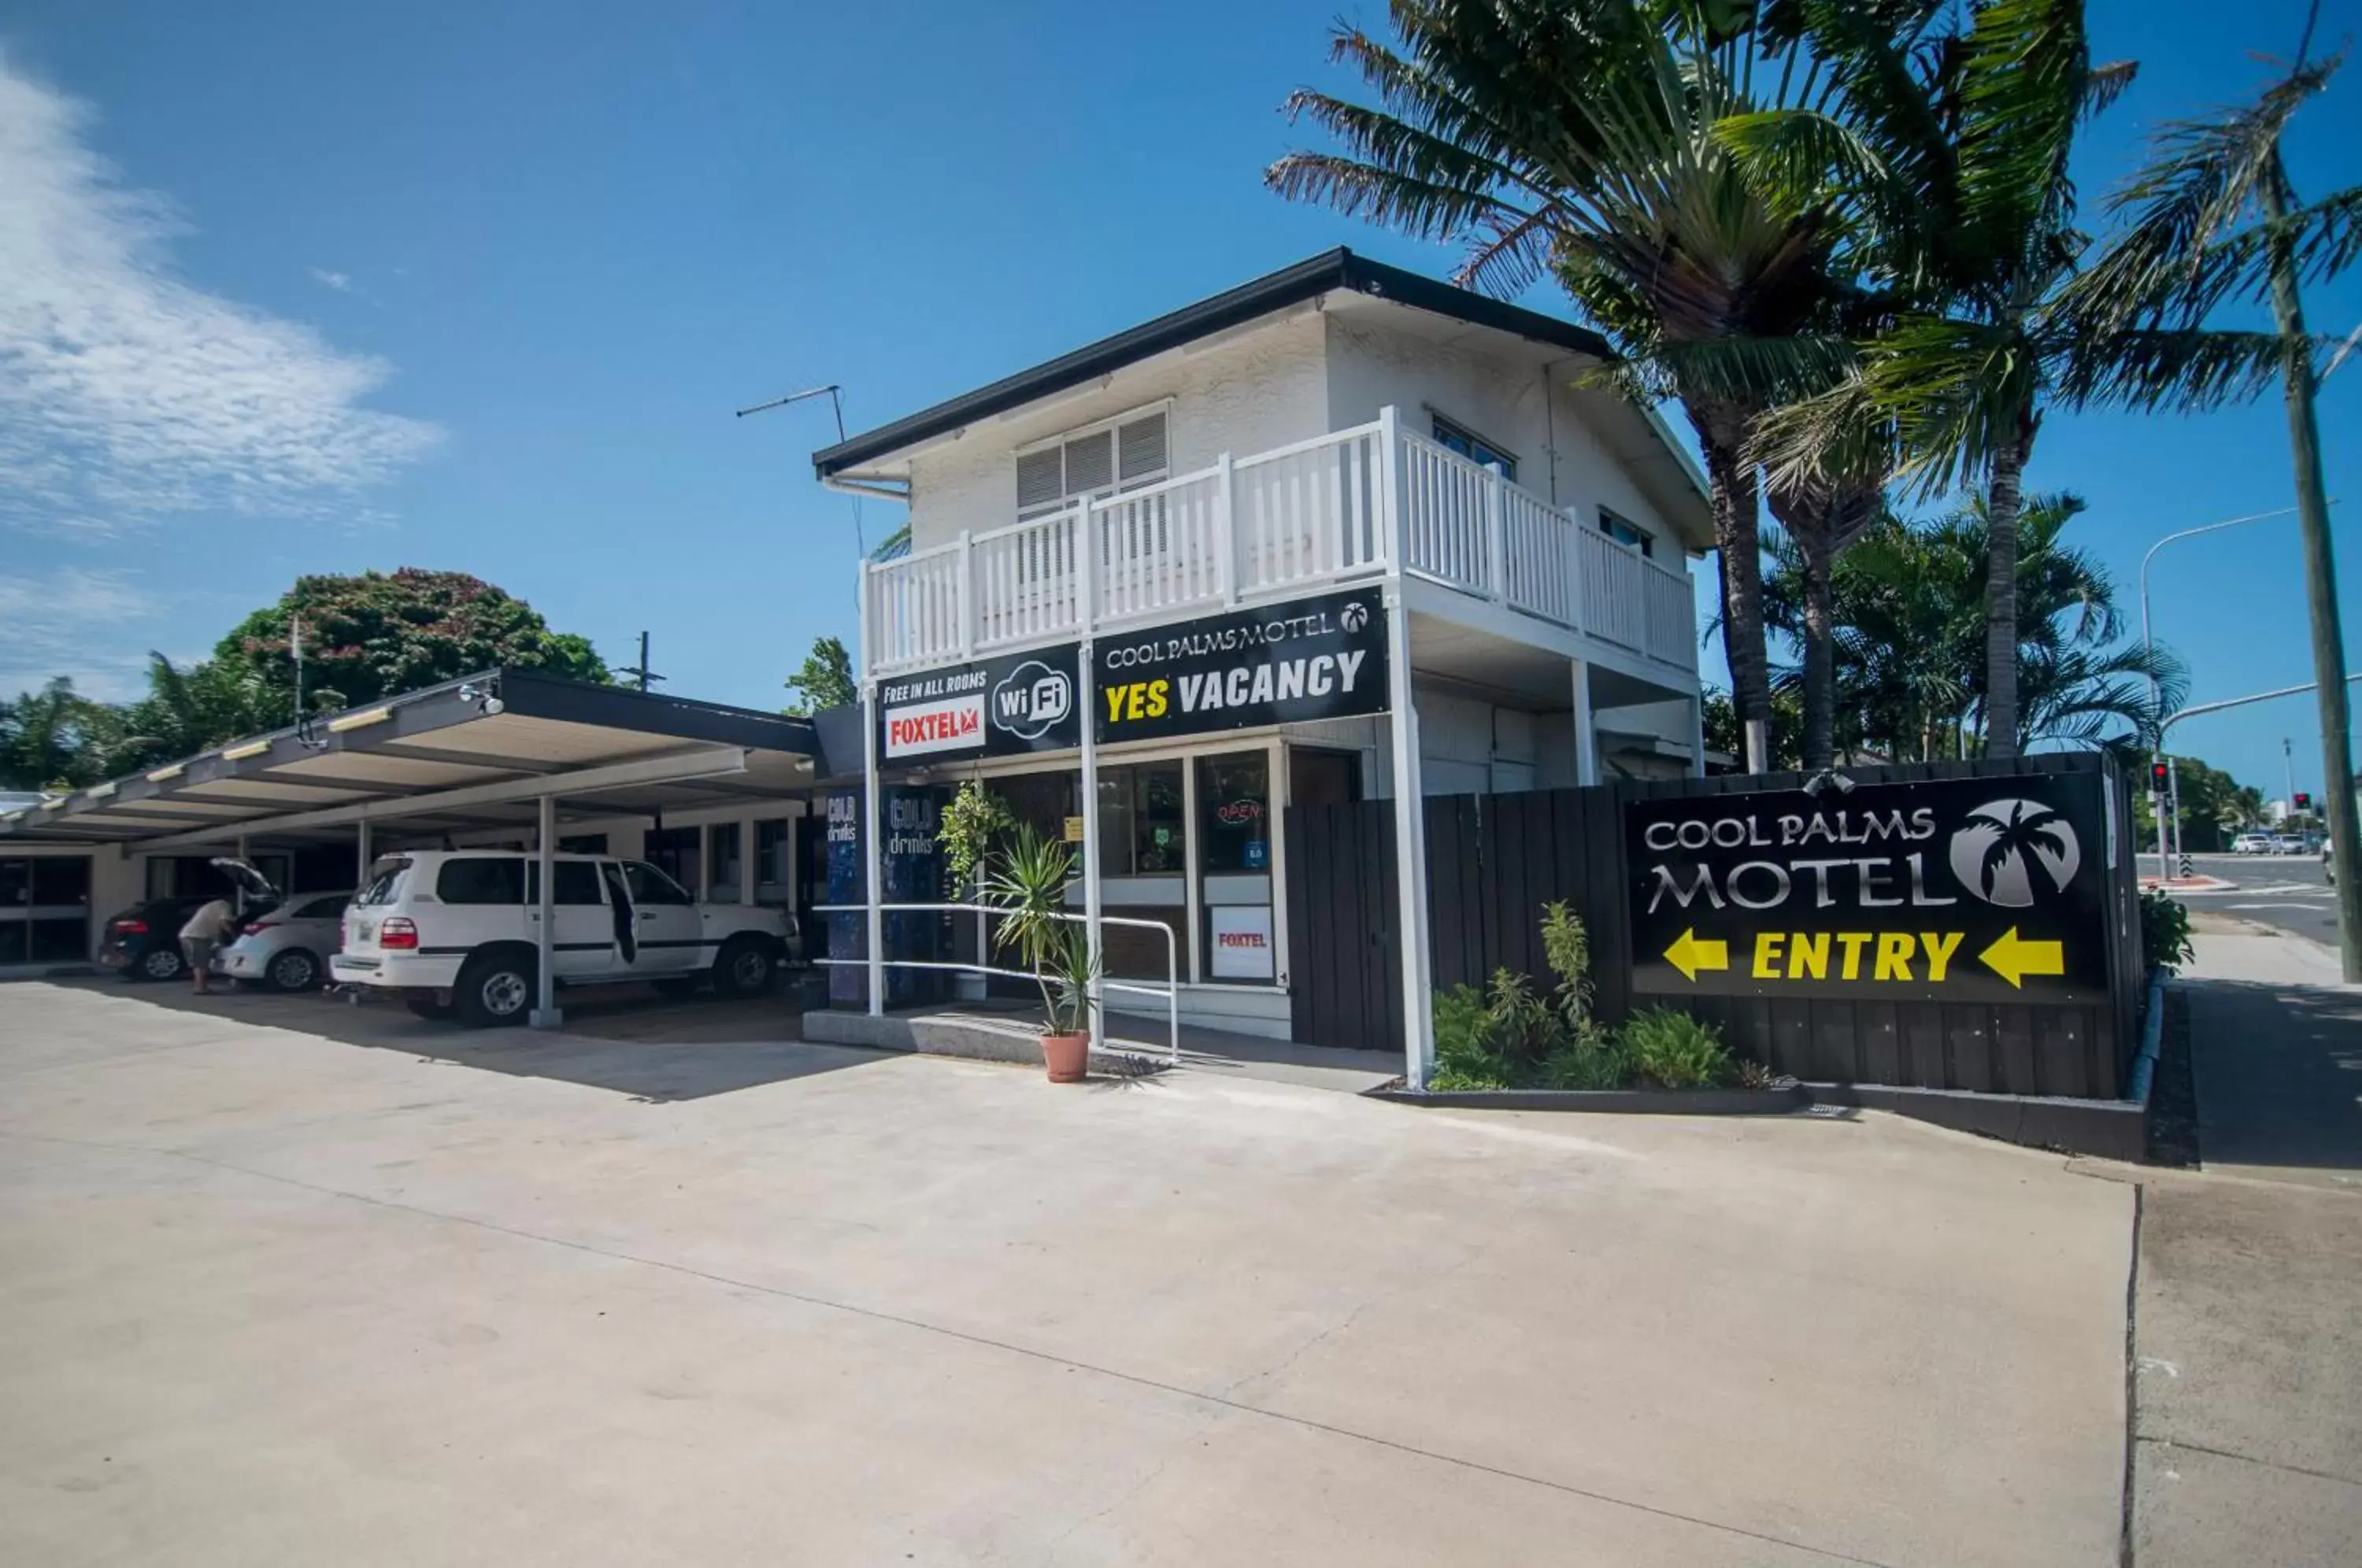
[[2201, 177], [2184, 371]]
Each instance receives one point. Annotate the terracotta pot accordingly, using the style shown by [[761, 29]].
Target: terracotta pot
[[1068, 1057]]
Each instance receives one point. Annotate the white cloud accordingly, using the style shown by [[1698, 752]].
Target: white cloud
[[340, 281], [123, 391], [50, 624]]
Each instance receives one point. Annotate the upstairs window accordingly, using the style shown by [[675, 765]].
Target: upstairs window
[[1474, 448], [1626, 531], [1099, 460]]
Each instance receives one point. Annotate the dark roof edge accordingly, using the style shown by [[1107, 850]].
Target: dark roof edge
[[1331, 269]]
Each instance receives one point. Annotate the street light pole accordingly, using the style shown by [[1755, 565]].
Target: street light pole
[[2168, 840]]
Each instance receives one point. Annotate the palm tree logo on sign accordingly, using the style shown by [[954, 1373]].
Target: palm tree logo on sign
[[1995, 851]]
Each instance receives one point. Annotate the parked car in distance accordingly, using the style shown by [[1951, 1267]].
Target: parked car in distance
[[287, 947], [2292, 843], [2252, 841], [456, 933], [143, 943]]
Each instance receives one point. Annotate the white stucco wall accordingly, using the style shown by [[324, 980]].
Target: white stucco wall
[[1243, 394], [1532, 411]]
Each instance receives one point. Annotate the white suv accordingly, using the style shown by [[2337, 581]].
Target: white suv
[[456, 932]]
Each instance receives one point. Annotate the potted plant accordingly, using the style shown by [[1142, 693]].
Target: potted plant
[[1028, 891]]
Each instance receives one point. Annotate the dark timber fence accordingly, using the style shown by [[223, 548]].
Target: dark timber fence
[[1492, 862]]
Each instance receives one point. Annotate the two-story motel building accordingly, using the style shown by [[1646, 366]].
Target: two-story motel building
[[1344, 531]]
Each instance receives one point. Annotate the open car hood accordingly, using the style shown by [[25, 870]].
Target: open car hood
[[253, 882]]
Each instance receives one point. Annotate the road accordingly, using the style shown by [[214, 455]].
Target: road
[[2286, 891]]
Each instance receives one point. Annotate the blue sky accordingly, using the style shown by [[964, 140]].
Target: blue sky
[[290, 288]]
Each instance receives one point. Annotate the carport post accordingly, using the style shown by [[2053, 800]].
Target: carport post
[[361, 856], [544, 1009], [1698, 735]]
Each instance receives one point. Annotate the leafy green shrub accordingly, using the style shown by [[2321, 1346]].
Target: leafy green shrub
[[1597, 1064], [1672, 1050], [2165, 931], [1464, 1060]]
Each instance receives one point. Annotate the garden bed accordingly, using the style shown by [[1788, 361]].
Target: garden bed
[[1785, 1101]]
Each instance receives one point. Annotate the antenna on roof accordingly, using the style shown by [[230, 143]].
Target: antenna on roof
[[835, 395], [305, 735], [640, 671]]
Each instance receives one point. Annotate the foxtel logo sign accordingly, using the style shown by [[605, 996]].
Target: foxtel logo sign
[[955, 723]]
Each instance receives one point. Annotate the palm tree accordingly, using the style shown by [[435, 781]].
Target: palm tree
[[1949, 158], [1908, 638], [41, 739], [1578, 139], [2213, 220]]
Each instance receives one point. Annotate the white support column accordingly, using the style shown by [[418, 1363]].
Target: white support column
[[1393, 527], [1087, 557], [1496, 533], [362, 854], [1698, 735], [967, 595], [750, 866], [1226, 529], [1411, 825], [544, 1013], [1586, 732], [873, 855]]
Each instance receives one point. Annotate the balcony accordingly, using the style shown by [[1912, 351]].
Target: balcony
[[1329, 511]]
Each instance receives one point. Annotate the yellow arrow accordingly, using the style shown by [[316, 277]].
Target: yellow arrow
[[2013, 959], [1689, 955]]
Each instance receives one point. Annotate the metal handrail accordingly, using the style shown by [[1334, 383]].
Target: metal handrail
[[1170, 990]]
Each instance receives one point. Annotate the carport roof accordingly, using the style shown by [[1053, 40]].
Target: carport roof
[[470, 754]]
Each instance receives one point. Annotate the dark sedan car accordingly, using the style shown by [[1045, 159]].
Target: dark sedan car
[[143, 943]]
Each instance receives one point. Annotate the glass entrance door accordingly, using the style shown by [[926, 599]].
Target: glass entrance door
[[45, 909]]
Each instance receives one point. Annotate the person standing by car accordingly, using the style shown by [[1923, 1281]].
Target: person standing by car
[[204, 930]]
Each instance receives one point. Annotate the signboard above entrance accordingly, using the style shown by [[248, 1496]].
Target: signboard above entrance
[[1966, 889], [1277, 664], [995, 707]]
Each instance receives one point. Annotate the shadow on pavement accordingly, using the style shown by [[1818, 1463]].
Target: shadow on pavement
[[617, 1038], [2278, 1072]]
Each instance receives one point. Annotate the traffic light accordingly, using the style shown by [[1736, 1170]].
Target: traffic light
[[2303, 801], [2157, 777]]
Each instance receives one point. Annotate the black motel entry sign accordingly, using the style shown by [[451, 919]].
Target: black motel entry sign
[[1971, 891]]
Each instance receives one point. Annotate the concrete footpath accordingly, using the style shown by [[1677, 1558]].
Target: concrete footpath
[[2247, 1399], [418, 1296]]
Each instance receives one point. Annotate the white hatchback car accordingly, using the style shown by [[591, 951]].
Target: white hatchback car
[[456, 933]]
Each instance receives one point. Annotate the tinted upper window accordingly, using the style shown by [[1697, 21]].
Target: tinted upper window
[[383, 886], [650, 886], [1474, 448], [575, 882], [486, 879]]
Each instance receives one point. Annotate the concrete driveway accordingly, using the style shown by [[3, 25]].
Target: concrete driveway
[[269, 1295]]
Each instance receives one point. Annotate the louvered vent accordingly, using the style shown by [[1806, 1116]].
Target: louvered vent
[[1139, 450], [1041, 480], [1090, 463]]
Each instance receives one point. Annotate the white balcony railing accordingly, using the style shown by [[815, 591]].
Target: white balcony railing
[[1278, 523]]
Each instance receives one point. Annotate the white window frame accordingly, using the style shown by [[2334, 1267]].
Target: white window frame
[[1600, 520], [1469, 433], [1119, 484]]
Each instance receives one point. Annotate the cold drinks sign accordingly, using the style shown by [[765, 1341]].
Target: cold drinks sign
[[1955, 890]]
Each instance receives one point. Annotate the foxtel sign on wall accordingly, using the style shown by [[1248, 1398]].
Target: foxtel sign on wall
[[993, 708]]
